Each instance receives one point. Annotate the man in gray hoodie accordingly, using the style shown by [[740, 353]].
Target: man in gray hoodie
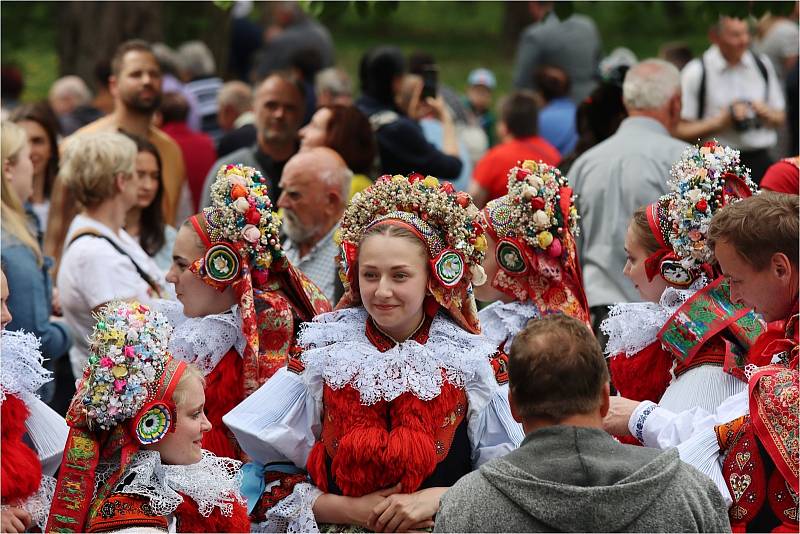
[[569, 475]]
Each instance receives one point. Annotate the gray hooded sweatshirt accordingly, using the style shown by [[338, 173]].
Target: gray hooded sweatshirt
[[576, 479]]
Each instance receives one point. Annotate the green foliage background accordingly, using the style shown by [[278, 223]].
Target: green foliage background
[[461, 35]]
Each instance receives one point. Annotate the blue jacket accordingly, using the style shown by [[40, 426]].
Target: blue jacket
[[30, 297]]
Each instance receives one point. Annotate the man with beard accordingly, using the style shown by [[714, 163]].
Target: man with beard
[[279, 105], [315, 187], [135, 84]]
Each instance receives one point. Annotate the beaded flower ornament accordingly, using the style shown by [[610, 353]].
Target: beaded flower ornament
[[705, 179], [534, 225], [240, 224], [128, 366], [445, 220]]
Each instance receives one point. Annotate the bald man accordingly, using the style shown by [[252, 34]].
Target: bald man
[[315, 186]]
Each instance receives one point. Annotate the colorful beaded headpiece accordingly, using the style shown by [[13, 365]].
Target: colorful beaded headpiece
[[239, 224], [124, 401], [705, 179], [534, 226], [446, 221]]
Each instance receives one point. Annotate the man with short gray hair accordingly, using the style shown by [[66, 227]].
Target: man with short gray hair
[[315, 186], [626, 171], [199, 71]]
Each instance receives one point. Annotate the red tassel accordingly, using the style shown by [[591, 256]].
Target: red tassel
[[316, 467], [21, 468], [224, 390], [190, 519], [644, 376]]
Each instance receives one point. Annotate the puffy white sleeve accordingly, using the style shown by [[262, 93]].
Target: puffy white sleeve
[[660, 428], [281, 420], [48, 432], [491, 429]]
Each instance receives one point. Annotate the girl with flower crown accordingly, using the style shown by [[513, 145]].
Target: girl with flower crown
[[685, 346], [394, 396], [26, 476], [532, 260], [134, 458], [241, 301]]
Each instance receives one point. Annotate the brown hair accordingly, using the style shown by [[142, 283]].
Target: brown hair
[[42, 114], [386, 228], [520, 114], [133, 45], [556, 369], [758, 227], [641, 228], [350, 135]]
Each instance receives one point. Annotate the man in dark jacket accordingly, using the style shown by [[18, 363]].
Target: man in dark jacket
[[569, 475], [401, 143]]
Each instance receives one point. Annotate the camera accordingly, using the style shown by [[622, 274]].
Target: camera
[[744, 116]]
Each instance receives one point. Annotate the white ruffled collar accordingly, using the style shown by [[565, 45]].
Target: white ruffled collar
[[213, 482], [21, 371], [632, 326], [501, 321], [203, 341], [337, 348]]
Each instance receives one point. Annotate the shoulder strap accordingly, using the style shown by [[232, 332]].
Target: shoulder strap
[[94, 233], [701, 103], [764, 74]]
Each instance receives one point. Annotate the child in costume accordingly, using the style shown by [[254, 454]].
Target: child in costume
[[26, 475], [134, 459], [394, 396], [241, 301], [532, 260], [686, 346]]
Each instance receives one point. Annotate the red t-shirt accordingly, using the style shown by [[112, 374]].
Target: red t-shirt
[[199, 155], [783, 176], [491, 172]]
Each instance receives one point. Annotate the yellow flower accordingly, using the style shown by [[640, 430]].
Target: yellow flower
[[545, 238], [337, 236], [397, 178], [119, 371], [529, 165], [480, 243], [430, 181]]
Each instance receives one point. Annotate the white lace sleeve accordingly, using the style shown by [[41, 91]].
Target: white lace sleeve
[[491, 429], [281, 420], [294, 513], [38, 504]]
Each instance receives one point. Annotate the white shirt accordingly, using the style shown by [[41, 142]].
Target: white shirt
[[319, 264], [726, 84], [92, 273]]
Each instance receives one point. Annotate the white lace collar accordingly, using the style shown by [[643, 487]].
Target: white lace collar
[[212, 482], [337, 348], [632, 326], [501, 321], [21, 371], [203, 341]]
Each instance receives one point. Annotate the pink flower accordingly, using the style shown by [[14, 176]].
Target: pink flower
[[120, 384], [129, 352], [105, 361], [251, 233]]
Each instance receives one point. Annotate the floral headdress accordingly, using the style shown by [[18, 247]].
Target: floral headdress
[[124, 401], [446, 221], [243, 251], [535, 225], [705, 179]]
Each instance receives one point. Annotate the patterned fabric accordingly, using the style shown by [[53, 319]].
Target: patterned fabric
[[279, 486], [120, 511], [707, 313], [744, 474], [319, 264]]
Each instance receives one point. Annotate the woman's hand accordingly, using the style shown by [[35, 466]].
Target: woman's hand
[[406, 511], [619, 413], [329, 508], [15, 519]]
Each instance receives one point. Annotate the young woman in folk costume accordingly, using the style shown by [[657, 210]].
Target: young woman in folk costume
[[686, 346], [26, 474], [134, 459], [394, 396], [532, 260], [242, 301]]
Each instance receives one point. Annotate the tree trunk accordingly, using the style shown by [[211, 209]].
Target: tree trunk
[[89, 32], [515, 18]]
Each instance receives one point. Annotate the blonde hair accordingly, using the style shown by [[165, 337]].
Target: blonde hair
[[388, 229], [91, 163], [179, 395], [644, 234], [13, 217]]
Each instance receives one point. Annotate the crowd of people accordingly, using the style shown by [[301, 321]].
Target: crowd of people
[[277, 304]]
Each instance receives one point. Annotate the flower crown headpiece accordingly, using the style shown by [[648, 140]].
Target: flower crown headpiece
[[705, 179], [445, 220], [240, 225], [131, 375], [537, 211]]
